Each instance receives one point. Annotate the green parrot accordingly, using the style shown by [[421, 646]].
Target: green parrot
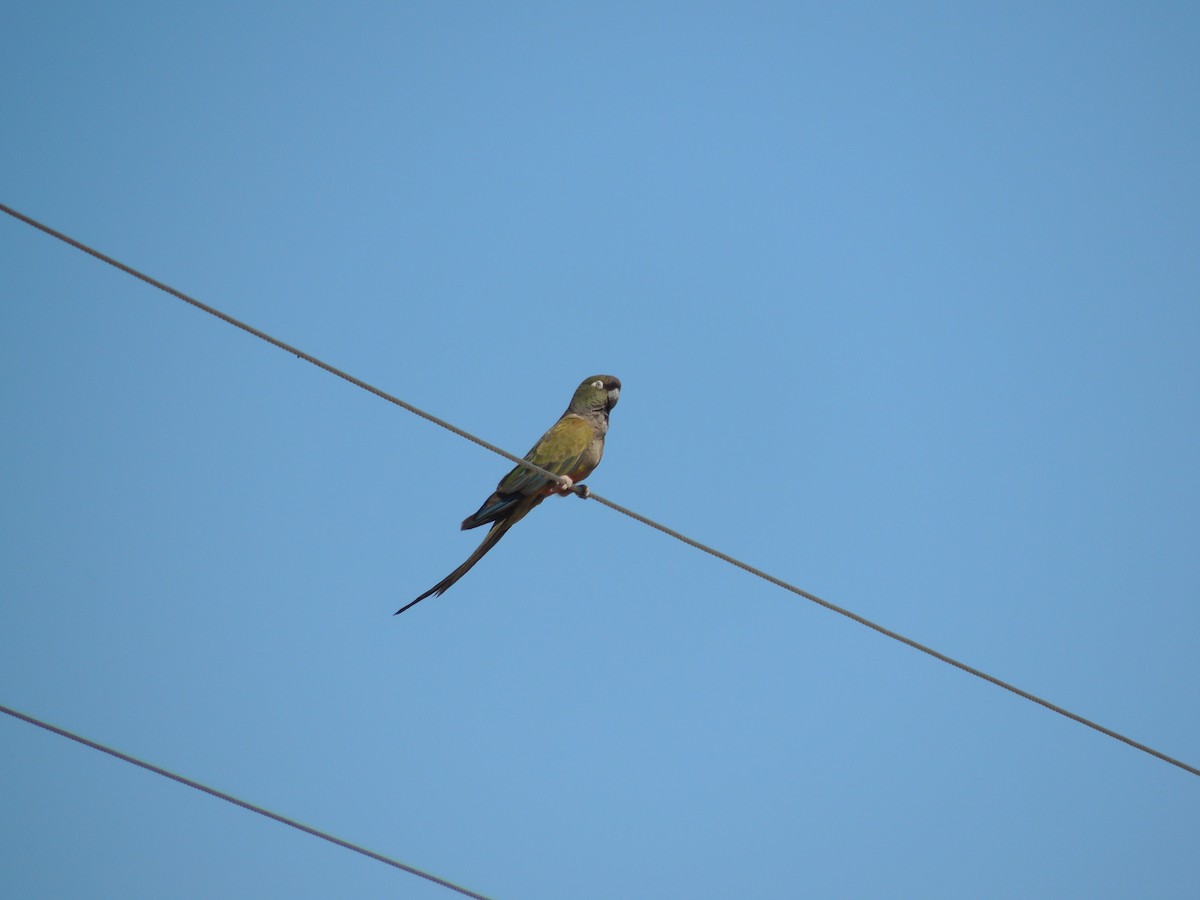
[[571, 448]]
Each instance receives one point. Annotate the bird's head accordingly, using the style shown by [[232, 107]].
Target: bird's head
[[596, 393]]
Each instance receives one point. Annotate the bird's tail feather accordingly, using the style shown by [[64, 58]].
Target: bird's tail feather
[[490, 539]]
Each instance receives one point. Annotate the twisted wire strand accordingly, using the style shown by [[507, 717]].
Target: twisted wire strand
[[724, 557], [229, 798]]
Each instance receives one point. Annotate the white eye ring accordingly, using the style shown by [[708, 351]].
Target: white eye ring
[[598, 384]]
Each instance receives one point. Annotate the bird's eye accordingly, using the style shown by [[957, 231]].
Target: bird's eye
[[598, 384]]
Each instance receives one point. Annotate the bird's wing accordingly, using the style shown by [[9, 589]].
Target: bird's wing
[[558, 451]]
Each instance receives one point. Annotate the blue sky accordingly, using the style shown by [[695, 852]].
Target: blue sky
[[904, 298]]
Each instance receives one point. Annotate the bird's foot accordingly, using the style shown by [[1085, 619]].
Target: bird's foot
[[567, 486]]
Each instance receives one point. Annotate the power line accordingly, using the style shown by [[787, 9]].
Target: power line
[[896, 636], [724, 557], [262, 335], [229, 798]]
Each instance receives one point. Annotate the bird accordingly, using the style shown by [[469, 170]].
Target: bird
[[571, 449]]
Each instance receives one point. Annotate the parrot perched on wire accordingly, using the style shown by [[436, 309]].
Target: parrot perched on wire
[[571, 448]]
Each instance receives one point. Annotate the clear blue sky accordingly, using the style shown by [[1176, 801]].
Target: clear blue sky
[[906, 303]]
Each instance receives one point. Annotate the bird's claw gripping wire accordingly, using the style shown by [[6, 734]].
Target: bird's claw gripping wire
[[567, 486]]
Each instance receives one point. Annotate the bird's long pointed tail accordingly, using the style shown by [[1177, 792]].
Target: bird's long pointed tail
[[490, 539]]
